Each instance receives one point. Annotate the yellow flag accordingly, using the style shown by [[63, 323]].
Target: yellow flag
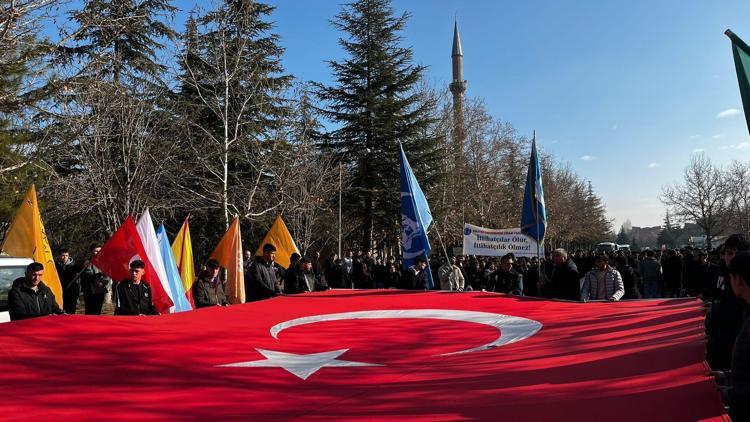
[[182, 248], [279, 236], [26, 238], [229, 254]]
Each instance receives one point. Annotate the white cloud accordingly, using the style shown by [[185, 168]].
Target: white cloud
[[741, 145], [653, 165], [718, 135], [698, 150], [730, 112], [588, 158], [693, 137]]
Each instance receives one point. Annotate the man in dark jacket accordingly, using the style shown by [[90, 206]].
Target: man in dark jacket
[[629, 279], [262, 281], [305, 280], [290, 275], [415, 277], [672, 272], [30, 297], [651, 275], [317, 267], [737, 390], [561, 278], [727, 313], [71, 287], [507, 279], [208, 290], [335, 275], [703, 276], [133, 296], [94, 284]]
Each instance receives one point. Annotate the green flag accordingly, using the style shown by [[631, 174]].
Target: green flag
[[741, 53]]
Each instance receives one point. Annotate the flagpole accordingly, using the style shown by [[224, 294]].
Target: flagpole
[[340, 186], [536, 212], [440, 238]]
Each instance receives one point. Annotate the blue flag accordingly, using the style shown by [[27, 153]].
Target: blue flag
[[415, 217], [534, 216], [181, 302]]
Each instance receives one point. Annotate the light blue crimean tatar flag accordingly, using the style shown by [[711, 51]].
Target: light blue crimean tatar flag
[[533, 215], [181, 302], [415, 217]]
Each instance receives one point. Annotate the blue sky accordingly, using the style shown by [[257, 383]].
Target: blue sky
[[624, 91], [634, 86]]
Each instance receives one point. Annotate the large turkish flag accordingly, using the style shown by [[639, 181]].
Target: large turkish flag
[[367, 355]]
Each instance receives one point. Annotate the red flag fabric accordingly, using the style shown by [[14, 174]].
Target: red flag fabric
[[368, 355], [121, 249]]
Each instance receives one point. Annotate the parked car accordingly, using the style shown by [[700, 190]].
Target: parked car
[[10, 269], [606, 247]]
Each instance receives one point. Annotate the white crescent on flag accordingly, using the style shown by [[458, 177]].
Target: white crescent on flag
[[511, 329]]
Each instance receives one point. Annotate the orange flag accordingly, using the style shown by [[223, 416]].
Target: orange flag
[[26, 238], [280, 237], [229, 254]]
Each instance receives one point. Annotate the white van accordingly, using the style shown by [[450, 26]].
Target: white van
[[606, 247], [10, 269]]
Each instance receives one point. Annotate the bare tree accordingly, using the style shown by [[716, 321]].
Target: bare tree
[[485, 179], [309, 179], [115, 155], [737, 178], [23, 74], [702, 197], [231, 93]]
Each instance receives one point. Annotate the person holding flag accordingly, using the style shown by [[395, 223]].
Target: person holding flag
[[133, 296], [533, 214], [208, 289], [30, 297], [415, 277], [415, 220]]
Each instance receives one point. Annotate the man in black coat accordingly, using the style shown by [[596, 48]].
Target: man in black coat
[[71, 288], [262, 281], [415, 277], [727, 313], [735, 384], [94, 284], [304, 279], [673, 270], [506, 279], [30, 297], [133, 296], [290, 275], [562, 278]]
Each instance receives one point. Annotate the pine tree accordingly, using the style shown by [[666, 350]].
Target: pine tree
[[622, 237], [230, 93], [374, 104], [111, 129], [597, 224], [119, 40], [23, 70], [669, 233]]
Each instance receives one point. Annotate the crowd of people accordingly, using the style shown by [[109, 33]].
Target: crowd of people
[[720, 278]]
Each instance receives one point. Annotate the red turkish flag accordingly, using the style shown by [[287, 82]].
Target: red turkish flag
[[121, 249], [367, 355]]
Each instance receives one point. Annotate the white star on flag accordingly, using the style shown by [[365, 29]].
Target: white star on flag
[[301, 365]]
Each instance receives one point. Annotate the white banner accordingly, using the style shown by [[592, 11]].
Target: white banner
[[491, 242]]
